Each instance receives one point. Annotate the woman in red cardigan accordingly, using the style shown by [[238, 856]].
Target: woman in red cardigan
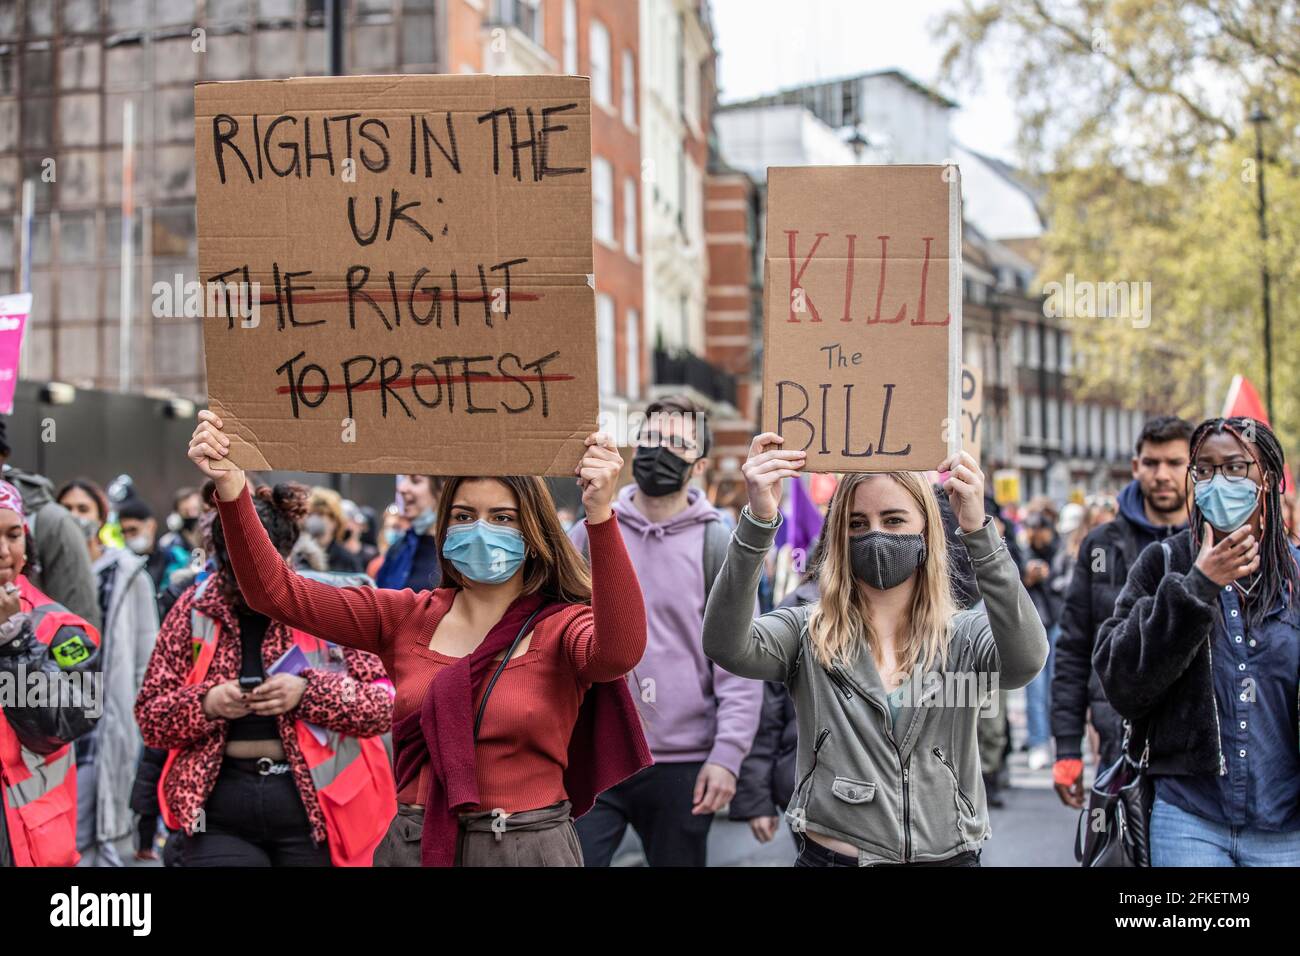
[[518, 621]]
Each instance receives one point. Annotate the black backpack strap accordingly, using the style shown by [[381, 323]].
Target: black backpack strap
[[478, 719], [717, 541]]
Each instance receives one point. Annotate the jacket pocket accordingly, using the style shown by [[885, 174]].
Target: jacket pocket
[[853, 791]]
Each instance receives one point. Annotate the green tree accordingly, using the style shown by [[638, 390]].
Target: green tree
[[1135, 117]]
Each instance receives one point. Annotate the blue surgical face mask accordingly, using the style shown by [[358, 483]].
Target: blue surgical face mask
[[1227, 505], [488, 554], [393, 535], [422, 522]]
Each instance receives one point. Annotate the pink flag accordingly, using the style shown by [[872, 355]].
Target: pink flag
[[14, 310]]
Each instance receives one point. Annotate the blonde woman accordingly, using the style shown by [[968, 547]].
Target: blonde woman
[[887, 676]]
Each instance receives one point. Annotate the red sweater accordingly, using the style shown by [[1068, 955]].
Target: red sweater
[[524, 740]]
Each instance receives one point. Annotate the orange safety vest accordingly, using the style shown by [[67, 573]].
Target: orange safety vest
[[352, 776], [40, 792]]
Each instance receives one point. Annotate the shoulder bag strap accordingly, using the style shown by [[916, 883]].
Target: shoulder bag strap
[[478, 719]]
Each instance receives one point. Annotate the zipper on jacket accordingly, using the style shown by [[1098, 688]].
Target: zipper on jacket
[[841, 683], [907, 816], [817, 746], [1214, 705], [953, 770], [907, 800]]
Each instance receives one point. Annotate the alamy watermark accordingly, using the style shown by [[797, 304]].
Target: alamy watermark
[[1084, 299], [21, 688]]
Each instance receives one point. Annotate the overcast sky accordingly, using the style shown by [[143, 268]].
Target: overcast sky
[[766, 45]]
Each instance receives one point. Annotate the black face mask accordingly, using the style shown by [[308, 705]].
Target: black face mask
[[658, 471], [883, 560], [189, 524]]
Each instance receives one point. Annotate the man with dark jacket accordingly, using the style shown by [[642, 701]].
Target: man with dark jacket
[[1153, 507]]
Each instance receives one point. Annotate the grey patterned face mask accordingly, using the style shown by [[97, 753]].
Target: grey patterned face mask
[[883, 560]]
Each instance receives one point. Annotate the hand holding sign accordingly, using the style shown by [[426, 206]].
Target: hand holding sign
[[965, 488], [764, 470], [209, 445], [598, 476]]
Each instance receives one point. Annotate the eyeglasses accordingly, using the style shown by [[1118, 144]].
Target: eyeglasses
[[658, 440], [1232, 470]]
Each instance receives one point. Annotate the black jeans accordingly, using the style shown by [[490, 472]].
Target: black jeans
[[657, 803], [814, 854], [252, 820]]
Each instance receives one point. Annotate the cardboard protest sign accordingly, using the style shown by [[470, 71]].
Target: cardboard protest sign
[[14, 310], [972, 410], [402, 271], [862, 315]]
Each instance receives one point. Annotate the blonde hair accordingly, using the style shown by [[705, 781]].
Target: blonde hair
[[839, 627], [331, 502]]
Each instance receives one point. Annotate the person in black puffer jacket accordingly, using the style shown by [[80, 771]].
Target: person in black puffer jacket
[[1202, 655]]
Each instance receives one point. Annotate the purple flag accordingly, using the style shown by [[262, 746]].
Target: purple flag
[[802, 521]]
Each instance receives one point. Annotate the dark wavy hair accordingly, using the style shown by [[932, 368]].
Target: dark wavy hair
[[281, 510], [95, 492], [1278, 572]]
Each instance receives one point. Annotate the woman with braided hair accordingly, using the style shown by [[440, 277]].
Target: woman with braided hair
[[1202, 655]]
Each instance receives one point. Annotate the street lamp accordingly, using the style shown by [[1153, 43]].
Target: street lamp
[[1258, 118]]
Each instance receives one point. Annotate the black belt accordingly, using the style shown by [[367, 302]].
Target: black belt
[[264, 766]]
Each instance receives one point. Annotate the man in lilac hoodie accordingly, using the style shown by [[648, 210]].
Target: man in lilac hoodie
[[699, 720]]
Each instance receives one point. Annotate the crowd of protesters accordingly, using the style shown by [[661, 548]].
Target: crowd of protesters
[[286, 677]]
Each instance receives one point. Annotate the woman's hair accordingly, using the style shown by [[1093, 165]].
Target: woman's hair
[[331, 502], [552, 566], [840, 626], [95, 492], [1278, 567], [280, 509]]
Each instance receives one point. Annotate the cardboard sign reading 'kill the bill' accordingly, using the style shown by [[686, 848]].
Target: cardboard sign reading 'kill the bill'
[[416, 255], [972, 410], [862, 315]]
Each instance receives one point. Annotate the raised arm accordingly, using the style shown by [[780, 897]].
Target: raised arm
[[611, 641], [358, 617], [762, 648], [1014, 643]]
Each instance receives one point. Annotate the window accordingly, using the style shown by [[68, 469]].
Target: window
[[629, 88], [602, 199], [571, 36], [605, 348], [629, 217], [1067, 358], [1067, 429], [1032, 340], [601, 88], [632, 353], [1053, 421], [1049, 336]]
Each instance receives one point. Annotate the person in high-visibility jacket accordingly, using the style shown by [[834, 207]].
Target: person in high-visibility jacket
[[50, 694], [290, 772]]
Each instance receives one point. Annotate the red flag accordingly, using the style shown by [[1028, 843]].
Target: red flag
[[1244, 401]]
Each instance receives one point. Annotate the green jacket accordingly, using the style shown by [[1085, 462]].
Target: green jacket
[[911, 795]]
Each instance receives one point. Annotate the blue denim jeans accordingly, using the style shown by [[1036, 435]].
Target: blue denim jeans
[[1179, 838], [1038, 695]]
